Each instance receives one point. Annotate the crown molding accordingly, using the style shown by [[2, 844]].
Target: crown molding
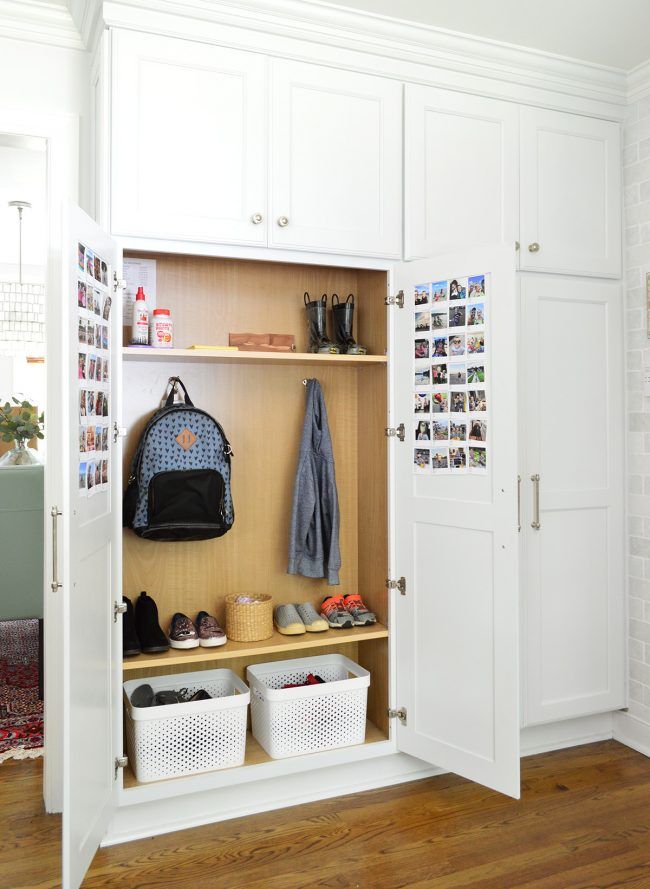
[[87, 16], [638, 82], [38, 22]]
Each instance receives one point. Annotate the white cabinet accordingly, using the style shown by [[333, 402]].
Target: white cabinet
[[570, 194], [460, 170], [336, 161], [573, 444], [188, 141]]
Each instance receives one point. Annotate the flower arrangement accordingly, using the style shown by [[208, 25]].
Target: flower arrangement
[[19, 422]]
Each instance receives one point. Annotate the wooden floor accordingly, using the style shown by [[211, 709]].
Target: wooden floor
[[583, 821]]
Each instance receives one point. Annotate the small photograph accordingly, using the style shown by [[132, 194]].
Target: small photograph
[[90, 262], [438, 320], [104, 472], [99, 404], [97, 269], [81, 295], [422, 322], [478, 430], [477, 458], [90, 333], [440, 429], [105, 405], [98, 336], [457, 431], [90, 403], [457, 458], [476, 286], [105, 371], [104, 438], [439, 292], [440, 347], [90, 299], [439, 374], [439, 403], [82, 439], [477, 400], [476, 344], [457, 345], [83, 470], [457, 375], [81, 366], [99, 369], [476, 315], [457, 316], [82, 331], [91, 476], [98, 438], [90, 370], [97, 302], [421, 294], [98, 473], [82, 403], [422, 376], [458, 289], [81, 257], [422, 403], [439, 459], [106, 311], [90, 438], [423, 430], [422, 348], [458, 402], [476, 373], [104, 274], [421, 459]]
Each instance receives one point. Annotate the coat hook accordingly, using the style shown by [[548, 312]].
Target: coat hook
[[304, 382]]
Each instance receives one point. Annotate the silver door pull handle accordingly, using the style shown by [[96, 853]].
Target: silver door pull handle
[[55, 513], [518, 503], [535, 522]]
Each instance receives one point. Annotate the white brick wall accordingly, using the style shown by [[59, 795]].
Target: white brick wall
[[22, 328], [636, 160]]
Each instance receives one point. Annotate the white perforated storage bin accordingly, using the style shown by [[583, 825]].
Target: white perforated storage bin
[[291, 721], [181, 739]]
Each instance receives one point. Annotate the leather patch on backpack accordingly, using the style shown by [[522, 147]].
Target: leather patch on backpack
[[186, 439]]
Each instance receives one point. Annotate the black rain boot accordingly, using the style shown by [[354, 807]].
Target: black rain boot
[[152, 639], [316, 322], [130, 641], [343, 314]]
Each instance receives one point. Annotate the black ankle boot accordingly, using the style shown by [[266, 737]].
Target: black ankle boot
[[152, 639], [316, 322], [343, 314], [130, 641]]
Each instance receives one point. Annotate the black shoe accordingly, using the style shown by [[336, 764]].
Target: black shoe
[[130, 641], [316, 323], [142, 696], [342, 315], [152, 639]]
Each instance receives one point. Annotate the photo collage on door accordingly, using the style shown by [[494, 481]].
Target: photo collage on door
[[451, 423], [93, 371]]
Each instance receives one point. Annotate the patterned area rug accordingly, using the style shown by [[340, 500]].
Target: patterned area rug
[[21, 712]]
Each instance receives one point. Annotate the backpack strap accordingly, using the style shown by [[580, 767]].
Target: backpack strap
[[175, 382]]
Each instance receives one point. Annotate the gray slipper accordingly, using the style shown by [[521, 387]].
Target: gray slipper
[[287, 620], [312, 620]]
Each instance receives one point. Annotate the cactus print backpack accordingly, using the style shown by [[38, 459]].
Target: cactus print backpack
[[179, 484]]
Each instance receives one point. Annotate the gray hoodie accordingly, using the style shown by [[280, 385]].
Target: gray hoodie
[[314, 538]]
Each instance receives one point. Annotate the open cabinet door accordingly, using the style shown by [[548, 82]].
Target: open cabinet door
[[85, 558], [456, 504]]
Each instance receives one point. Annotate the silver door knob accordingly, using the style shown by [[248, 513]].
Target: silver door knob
[[534, 247], [282, 221], [256, 218]]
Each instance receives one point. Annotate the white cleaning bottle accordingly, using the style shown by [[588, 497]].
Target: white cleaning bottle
[[140, 328]]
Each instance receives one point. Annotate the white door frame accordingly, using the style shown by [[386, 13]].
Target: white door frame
[[61, 131]]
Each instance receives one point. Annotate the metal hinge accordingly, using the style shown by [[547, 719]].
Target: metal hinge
[[118, 432], [121, 762], [395, 300], [118, 608], [396, 431], [397, 585], [118, 283], [398, 714]]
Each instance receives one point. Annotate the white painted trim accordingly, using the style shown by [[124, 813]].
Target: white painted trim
[[567, 733], [632, 732], [638, 82], [38, 22]]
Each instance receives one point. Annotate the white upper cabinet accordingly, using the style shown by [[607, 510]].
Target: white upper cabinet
[[570, 194], [460, 171], [189, 141], [336, 161]]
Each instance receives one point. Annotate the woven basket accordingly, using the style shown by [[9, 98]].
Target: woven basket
[[250, 622]]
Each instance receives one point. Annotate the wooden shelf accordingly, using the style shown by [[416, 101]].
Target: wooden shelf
[[135, 353], [255, 754], [276, 644]]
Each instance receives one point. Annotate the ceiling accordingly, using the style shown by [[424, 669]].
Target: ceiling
[[615, 33]]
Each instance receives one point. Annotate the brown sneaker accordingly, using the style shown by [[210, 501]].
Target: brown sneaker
[[182, 633], [210, 633]]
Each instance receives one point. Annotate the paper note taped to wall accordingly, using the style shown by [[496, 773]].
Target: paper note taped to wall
[[138, 273]]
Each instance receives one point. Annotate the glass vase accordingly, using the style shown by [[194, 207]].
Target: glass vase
[[20, 455]]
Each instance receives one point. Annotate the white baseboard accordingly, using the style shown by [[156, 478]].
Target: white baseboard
[[193, 810], [632, 732], [568, 733]]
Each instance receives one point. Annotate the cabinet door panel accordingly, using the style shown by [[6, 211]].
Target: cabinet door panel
[[460, 171], [336, 165], [572, 398], [570, 193], [189, 140]]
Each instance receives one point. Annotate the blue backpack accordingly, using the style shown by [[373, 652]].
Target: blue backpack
[[179, 484]]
